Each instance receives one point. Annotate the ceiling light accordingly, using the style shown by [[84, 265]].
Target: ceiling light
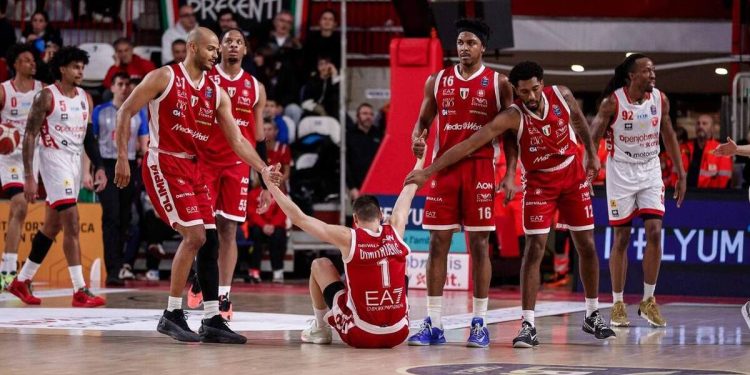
[[577, 68], [721, 71]]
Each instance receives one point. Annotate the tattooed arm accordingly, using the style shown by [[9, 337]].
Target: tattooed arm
[[39, 109]]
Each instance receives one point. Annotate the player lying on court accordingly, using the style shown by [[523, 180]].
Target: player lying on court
[[371, 310]]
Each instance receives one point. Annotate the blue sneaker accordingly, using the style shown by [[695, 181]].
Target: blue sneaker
[[479, 336], [427, 335]]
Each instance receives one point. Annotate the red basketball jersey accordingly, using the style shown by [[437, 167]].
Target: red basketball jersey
[[243, 93], [546, 143], [182, 116], [464, 107], [376, 278]]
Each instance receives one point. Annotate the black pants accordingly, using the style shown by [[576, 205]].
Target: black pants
[[116, 214], [276, 243], [154, 231]]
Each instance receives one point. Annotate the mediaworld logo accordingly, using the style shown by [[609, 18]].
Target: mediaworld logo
[[473, 126]]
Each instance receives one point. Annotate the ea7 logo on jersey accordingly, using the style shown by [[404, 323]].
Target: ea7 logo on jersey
[[464, 92], [484, 186], [231, 91], [536, 218], [449, 92], [546, 129]]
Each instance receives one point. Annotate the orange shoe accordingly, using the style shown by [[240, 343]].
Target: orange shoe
[[84, 298], [225, 307], [195, 295], [24, 292]]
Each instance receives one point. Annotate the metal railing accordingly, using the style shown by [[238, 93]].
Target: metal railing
[[740, 106]]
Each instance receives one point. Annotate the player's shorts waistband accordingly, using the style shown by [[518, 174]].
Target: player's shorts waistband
[[182, 155], [559, 166]]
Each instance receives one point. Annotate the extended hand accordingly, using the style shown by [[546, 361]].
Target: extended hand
[[88, 181], [30, 189], [726, 149], [679, 190], [417, 177], [508, 185], [264, 202], [122, 174], [271, 175], [418, 145]]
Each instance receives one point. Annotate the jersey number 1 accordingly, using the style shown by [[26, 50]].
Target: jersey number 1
[[385, 273]]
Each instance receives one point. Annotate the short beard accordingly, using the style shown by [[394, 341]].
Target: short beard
[[233, 60]]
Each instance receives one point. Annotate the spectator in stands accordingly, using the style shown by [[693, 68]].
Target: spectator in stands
[[38, 32], [324, 42], [707, 170], [117, 203], [179, 51], [127, 62], [180, 30], [280, 82], [226, 21], [281, 41], [7, 31], [320, 96], [284, 125], [103, 11], [362, 142], [277, 152], [43, 72], [266, 230]]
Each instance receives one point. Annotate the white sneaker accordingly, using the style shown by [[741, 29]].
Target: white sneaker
[[278, 277], [746, 313], [317, 335], [152, 275], [126, 273]]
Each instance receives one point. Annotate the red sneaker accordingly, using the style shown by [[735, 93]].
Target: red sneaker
[[24, 292], [84, 298]]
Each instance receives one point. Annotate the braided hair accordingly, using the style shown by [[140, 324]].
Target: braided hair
[[621, 77]]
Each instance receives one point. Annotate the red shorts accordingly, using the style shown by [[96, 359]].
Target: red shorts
[[565, 190], [177, 190], [228, 187], [463, 194], [342, 320]]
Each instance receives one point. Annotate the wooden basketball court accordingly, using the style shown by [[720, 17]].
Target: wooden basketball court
[[702, 337]]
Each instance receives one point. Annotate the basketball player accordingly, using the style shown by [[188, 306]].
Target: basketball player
[[16, 96], [61, 113], [463, 98], [730, 149], [183, 106], [548, 124], [632, 114], [371, 310], [226, 176]]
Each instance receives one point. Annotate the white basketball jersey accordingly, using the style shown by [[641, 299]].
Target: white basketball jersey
[[17, 105], [65, 127], [634, 135]]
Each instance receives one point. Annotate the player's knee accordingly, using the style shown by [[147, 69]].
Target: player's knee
[[194, 239], [534, 250], [18, 210], [653, 236], [320, 264]]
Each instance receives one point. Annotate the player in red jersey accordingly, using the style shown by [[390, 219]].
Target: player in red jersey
[[548, 123], [226, 176], [184, 105], [60, 115], [463, 98], [371, 310]]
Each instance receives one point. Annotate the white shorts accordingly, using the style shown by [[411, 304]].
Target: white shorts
[[11, 169], [61, 175], [633, 190]]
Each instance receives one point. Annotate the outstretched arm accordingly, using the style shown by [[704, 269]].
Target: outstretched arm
[[239, 144], [336, 235], [731, 148], [400, 214], [673, 150]]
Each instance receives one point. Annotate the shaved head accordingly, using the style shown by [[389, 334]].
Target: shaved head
[[202, 48]]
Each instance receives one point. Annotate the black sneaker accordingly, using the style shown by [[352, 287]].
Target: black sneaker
[[595, 325], [216, 329], [526, 337], [174, 324]]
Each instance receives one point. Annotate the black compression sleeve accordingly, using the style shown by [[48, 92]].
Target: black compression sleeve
[[91, 146]]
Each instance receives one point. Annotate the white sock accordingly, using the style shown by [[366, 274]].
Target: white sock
[[174, 303], [617, 297], [435, 310], [9, 262], [320, 317], [528, 316], [648, 290], [592, 304], [210, 309], [28, 270], [278, 274], [224, 290], [76, 276], [479, 306]]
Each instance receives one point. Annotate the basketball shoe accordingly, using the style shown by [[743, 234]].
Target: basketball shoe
[[746, 313], [526, 336], [24, 291], [649, 310], [427, 335], [479, 337], [216, 330], [174, 324], [195, 294], [84, 298], [619, 315], [317, 335], [594, 324]]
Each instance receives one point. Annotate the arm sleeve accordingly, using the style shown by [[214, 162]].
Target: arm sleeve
[[91, 145]]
